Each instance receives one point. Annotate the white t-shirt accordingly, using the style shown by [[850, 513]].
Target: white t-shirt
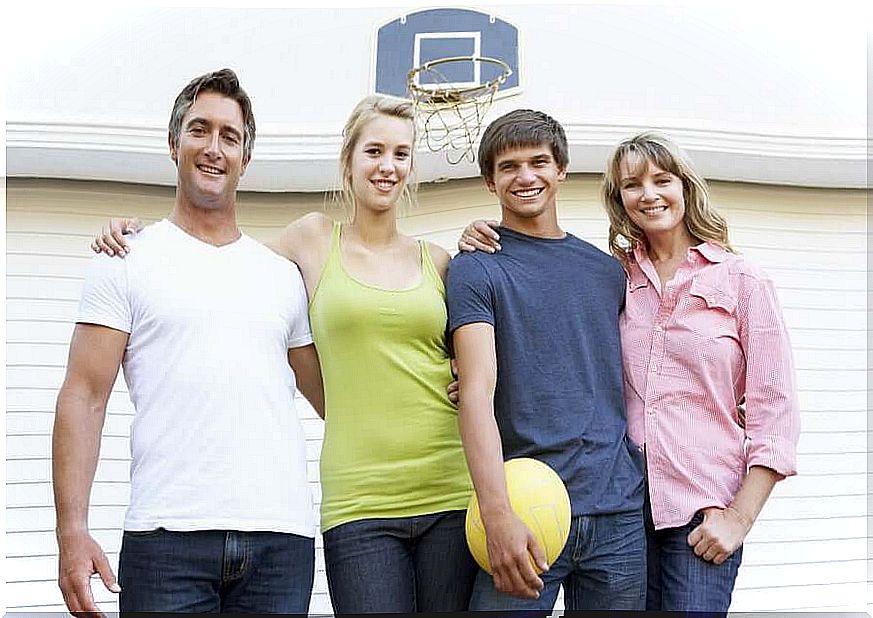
[[216, 441]]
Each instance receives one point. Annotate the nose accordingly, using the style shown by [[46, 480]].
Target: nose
[[648, 192], [385, 164], [213, 148], [526, 174]]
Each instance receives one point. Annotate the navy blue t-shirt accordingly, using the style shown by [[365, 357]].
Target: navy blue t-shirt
[[554, 305]]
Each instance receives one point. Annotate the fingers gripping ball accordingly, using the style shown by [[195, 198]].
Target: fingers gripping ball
[[539, 498]]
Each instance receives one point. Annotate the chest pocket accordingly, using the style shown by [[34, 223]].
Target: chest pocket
[[712, 310]]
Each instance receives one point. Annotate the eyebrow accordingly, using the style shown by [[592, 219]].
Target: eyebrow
[[225, 127], [537, 157]]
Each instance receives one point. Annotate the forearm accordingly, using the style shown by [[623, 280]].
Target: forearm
[[484, 453], [753, 493], [75, 451], [307, 370]]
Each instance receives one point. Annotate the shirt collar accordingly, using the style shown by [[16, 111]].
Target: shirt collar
[[712, 252], [637, 275]]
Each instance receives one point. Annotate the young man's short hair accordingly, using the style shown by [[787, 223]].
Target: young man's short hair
[[518, 129]]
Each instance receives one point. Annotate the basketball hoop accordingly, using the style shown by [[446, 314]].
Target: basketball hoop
[[450, 114]]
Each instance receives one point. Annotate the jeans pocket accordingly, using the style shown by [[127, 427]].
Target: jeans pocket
[[695, 521]]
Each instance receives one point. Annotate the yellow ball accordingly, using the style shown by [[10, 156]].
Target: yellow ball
[[539, 498]]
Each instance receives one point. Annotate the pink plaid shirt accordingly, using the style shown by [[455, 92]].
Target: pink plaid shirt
[[690, 354]]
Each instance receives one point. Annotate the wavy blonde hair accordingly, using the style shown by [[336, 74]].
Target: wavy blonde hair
[[366, 110], [703, 221]]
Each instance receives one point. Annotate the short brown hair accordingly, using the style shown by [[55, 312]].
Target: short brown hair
[[225, 83], [520, 128]]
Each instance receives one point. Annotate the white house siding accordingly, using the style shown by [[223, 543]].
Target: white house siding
[[808, 550]]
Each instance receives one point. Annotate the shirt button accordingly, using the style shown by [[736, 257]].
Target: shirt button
[[653, 368], [659, 329]]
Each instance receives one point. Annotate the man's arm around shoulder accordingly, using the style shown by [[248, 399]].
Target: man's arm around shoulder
[[95, 356]]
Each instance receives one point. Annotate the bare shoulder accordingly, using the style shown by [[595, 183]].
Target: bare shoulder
[[304, 234], [440, 258]]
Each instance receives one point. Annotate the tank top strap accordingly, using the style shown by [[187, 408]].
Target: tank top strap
[[428, 269], [332, 265]]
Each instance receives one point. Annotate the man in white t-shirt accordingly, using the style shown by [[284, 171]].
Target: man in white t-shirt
[[211, 329]]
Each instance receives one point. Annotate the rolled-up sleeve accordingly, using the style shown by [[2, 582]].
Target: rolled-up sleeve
[[772, 414]]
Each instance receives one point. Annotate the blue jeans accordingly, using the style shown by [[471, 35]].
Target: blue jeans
[[602, 567], [210, 571], [404, 564], [681, 581]]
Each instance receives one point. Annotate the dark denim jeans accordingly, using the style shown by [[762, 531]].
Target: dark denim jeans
[[602, 567], [212, 571], [407, 564], [681, 581]]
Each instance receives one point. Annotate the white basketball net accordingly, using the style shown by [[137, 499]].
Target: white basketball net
[[451, 118]]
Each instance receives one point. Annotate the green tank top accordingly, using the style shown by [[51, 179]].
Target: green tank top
[[391, 444]]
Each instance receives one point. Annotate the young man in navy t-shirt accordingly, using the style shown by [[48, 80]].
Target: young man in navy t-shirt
[[535, 332]]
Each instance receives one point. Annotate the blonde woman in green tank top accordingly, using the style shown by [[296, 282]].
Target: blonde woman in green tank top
[[394, 479], [393, 475]]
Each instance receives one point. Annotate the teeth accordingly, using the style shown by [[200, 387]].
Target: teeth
[[210, 170], [528, 192], [384, 184], [654, 210]]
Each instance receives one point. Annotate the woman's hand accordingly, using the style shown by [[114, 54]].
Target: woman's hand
[[480, 235], [720, 534], [111, 239]]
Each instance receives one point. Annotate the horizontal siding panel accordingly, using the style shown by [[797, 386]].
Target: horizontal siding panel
[[805, 485], [777, 531], [832, 399], [821, 360], [750, 234], [750, 576], [835, 597], [826, 341], [831, 463], [832, 442], [26, 331], [816, 299], [805, 552], [815, 507], [786, 277], [35, 263], [59, 243], [41, 309], [839, 319], [849, 420], [44, 287]]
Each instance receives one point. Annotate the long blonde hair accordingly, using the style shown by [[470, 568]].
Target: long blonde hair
[[366, 110], [703, 221]]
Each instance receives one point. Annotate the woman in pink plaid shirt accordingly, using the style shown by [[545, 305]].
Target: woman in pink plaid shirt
[[701, 332]]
